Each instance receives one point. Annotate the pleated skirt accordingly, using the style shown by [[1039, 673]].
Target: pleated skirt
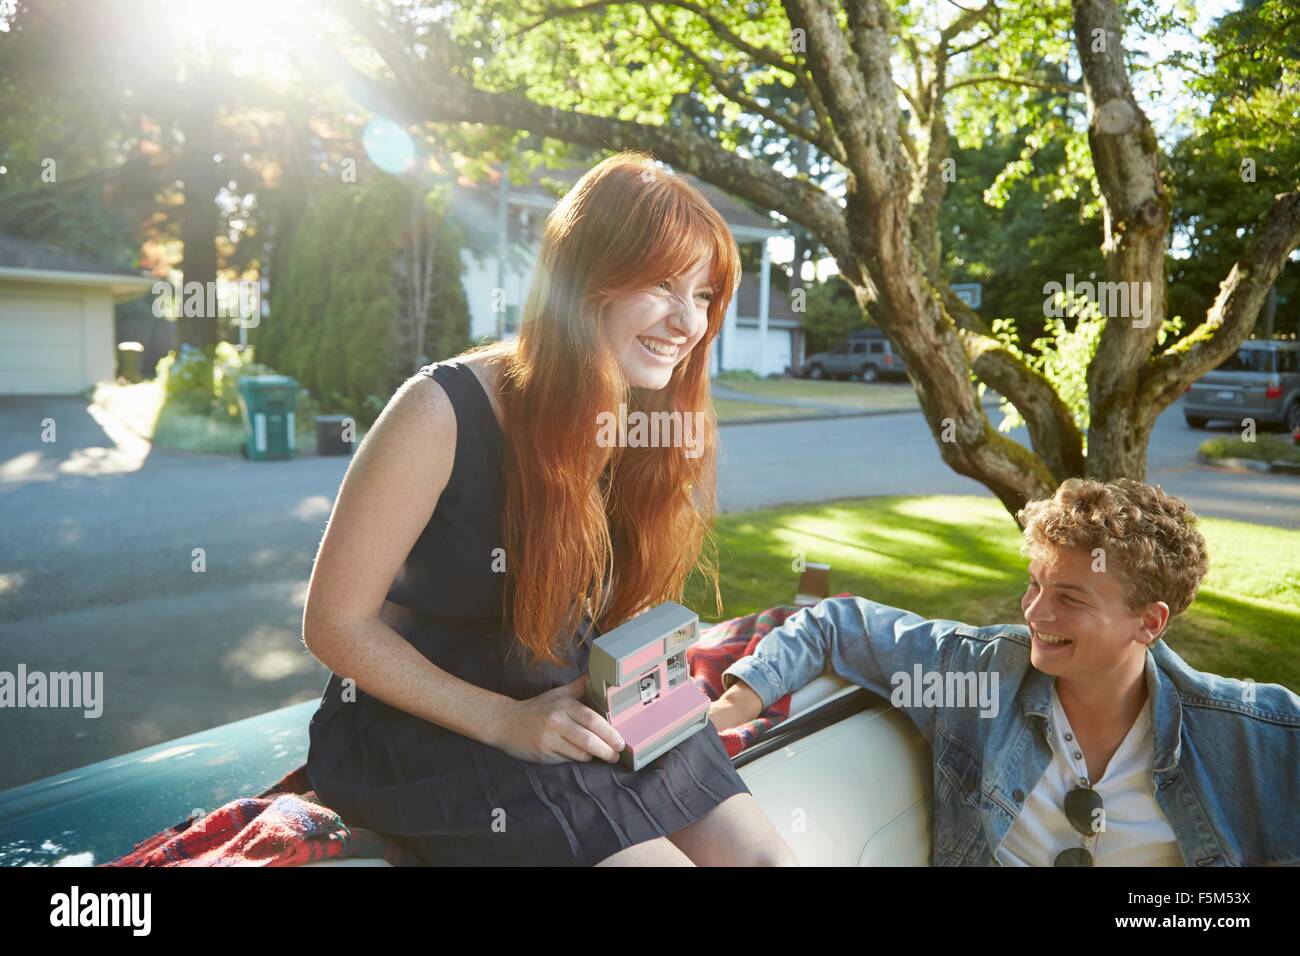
[[453, 800]]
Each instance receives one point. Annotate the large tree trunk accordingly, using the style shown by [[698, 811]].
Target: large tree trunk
[[199, 218], [294, 148], [1136, 227], [855, 83]]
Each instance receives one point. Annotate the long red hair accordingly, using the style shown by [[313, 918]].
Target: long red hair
[[589, 530]]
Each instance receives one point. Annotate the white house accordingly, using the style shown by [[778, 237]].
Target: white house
[[742, 344], [56, 318], [761, 332]]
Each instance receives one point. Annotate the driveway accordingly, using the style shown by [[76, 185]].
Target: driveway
[[43, 437], [98, 572]]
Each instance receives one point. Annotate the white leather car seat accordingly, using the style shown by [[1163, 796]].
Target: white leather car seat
[[854, 793]]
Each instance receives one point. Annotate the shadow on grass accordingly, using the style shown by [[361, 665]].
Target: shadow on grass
[[1240, 638], [879, 548], [959, 558]]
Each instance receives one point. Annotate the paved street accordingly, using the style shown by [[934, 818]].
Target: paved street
[[99, 531], [780, 463]]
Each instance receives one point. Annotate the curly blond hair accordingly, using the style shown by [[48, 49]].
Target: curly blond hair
[[1151, 535]]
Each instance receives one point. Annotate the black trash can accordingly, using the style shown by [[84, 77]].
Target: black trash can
[[329, 435]]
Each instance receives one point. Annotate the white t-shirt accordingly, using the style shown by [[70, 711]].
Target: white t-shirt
[[1136, 831]]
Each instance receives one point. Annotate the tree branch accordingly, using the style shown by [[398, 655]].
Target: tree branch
[[432, 95], [729, 88], [969, 18], [848, 74], [1136, 223], [1232, 315], [1052, 429], [1016, 81]]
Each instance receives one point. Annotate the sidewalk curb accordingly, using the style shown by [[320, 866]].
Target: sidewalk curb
[[815, 416], [823, 416], [1250, 464]]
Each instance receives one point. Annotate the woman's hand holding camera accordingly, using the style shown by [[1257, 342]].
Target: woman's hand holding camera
[[555, 726]]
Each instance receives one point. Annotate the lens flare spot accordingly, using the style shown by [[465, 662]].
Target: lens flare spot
[[388, 145]]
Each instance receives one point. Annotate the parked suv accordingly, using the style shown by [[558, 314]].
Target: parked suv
[[1261, 380], [864, 355]]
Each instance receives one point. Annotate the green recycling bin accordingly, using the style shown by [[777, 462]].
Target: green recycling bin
[[266, 404]]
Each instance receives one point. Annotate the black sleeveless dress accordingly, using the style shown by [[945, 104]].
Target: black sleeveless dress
[[449, 798]]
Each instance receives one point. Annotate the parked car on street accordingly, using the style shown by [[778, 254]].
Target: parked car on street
[[1261, 381], [865, 356]]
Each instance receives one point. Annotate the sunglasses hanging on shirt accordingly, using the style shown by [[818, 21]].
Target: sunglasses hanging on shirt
[[1082, 806]]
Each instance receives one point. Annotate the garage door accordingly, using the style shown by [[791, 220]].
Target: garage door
[[41, 345]]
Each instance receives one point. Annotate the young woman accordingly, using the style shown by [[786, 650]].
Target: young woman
[[484, 534]]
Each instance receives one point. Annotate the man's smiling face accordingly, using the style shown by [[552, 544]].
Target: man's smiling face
[[1081, 627]]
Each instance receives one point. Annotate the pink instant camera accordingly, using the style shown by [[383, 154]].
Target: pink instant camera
[[637, 679]]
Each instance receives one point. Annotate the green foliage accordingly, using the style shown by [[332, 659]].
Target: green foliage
[[335, 311], [200, 408], [1038, 134], [231, 365], [738, 375], [607, 60], [187, 381], [832, 312], [1018, 234], [1240, 154], [201, 384], [1063, 354], [51, 125], [1265, 447]]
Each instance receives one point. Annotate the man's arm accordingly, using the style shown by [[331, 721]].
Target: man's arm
[[865, 642]]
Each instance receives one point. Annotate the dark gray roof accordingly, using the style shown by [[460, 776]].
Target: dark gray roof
[[732, 209], [778, 303], [18, 253]]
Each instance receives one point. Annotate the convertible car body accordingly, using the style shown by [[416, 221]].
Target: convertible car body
[[846, 779]]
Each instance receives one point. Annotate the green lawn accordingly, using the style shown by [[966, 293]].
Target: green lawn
[[730, 410], [858, 395], [958, 557], [1266, 447], [142, 407]]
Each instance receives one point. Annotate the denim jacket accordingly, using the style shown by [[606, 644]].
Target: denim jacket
[[1227, 752]]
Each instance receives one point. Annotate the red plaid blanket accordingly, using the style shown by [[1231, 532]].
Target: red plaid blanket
[[718, 648], [286, 825]]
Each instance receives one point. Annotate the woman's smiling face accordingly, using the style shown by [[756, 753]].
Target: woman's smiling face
[[652, 330]]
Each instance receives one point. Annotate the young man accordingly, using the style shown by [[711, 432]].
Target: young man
[[1102, 746]]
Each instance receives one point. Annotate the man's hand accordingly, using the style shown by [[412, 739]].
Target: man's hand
[[738, 704]]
